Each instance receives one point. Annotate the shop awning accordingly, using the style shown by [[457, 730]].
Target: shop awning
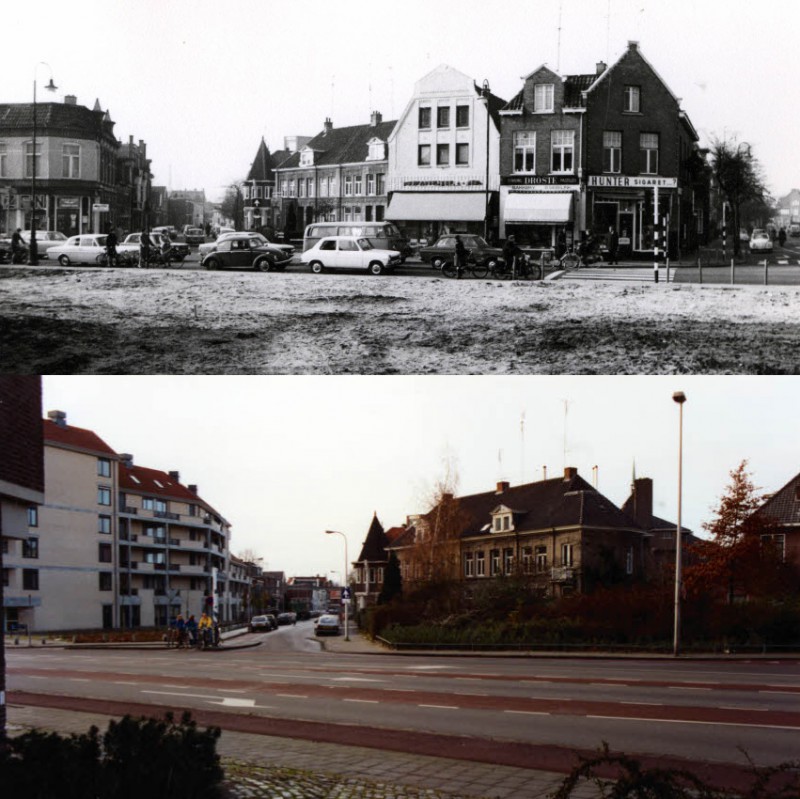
[[547, 208], [437, 206]]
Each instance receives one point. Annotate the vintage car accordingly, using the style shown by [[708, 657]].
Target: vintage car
[[349, 252], [247, 252], [444, 249], [133, 241]]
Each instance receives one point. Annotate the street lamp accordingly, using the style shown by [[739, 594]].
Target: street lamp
[[33, 255], [680, 398], [485, 96], [345, 600]]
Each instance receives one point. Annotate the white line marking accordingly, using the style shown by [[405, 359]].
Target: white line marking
[[688, 721], [193, 696], [293, 696], [362, 701], [441, 707], [527, 712], [79, 679], [651, 704], [354, 679], [125, 682]]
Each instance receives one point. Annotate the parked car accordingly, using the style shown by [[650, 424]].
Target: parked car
[[83, 249], [194, 235], [178, 250], [209, 247], [45, 240], [794, 230], [760, 241], [744, 235], [260, 624], [381, 235], [287, 618], [444, 249], [5, 249], [245, 251], [349, 252], [327, 625], [166, 230]]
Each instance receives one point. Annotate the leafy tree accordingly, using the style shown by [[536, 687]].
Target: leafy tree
[[231, 206], [740, 179], [392, 581], [733, 563]]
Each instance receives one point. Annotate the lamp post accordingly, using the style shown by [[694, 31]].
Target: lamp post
[[33, 253], [680, 398], [485, 96], [345, 601]]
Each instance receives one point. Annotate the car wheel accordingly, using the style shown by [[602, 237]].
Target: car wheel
[[437, 262], [376, 268], [262, 265], [63, 260], [212, 263], [317, 268]]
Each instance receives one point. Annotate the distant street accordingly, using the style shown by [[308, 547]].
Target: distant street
[[703, 711]]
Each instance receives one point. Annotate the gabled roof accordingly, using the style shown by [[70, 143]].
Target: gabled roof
[[374, 546], [574, 86], [342, 145], [262, 166], [153, 482], [54, 115], [75, 438], [784, 505]]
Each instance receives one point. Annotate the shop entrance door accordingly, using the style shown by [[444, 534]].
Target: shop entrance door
[[625, 234]]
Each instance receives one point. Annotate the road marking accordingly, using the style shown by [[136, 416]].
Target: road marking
[[234, 701], [528, 712], [362, 701], [441, 707], [192, 696], [429, 668], [782, 693], [293, 696], [651, 704], [468, 693], [232, 690], [79, 679], [37, 677], [695, 721], [686, 688], [354, 679], [125, 682], [182, 687]]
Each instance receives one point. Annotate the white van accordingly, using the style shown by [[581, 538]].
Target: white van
[[381, 235]]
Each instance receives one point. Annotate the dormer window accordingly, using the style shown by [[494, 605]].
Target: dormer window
[[307, 157], [377, 150], [543, 95], [502, 521]]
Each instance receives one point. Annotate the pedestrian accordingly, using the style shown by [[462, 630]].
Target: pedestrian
[[111, 248], [613, 245], [145, 243], [17, 246], [191, 629], [461, 257], [510, 252], [782, 237]]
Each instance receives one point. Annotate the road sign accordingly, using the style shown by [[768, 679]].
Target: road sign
[[345, 594], [99, 206]]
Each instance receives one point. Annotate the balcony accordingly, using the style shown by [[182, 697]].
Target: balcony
[[163, 514], [562, 574], [129, 509], [128, 536], [174, 542]]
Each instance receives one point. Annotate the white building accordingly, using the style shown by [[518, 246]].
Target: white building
[[438, 180]]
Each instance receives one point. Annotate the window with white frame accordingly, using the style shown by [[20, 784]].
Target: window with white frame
[[442, 155], [508, 560], [566, 555], [309, 187], [71, 160], [469, 564], [462, 116], [307, 157], [462, 154], [285, 188], [292, 187], [323, 187], [357, 184], [648, 146], [443, 116], [29, 159], [541, 559], [480, 564], [377, 150], [494, 562], [424, 155], [348, 186], [380, 183], [425, 117], [371, 184], [562, 149], [612, 151], [301, 187], [524, 150], [527, 560], [632, 97], [543, 95], [3, 160], [775, 542]]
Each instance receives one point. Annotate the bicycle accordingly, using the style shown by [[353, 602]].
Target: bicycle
[[479, 270], [524, 269], [120, 259]]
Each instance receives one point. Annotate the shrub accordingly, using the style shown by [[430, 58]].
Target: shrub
[[138, 757]]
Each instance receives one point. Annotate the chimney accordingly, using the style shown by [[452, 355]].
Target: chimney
[[643, 501], [58, 417], [544, 472], [176, 476], [375, 118], [502, 486], [127, 459], [328, 126], [600, 67], [632, 46], [192, 487], [130, 140], [447, 497], [70, 99], [569, 473]]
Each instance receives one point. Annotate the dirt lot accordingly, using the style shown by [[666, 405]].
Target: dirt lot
[[77, 321]]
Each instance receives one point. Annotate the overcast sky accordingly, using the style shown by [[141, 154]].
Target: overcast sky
[[285, 458], [202, 81]]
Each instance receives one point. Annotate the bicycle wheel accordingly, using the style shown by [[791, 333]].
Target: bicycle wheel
[[102, 259], [570, 261], [449, 269], [479, 270]]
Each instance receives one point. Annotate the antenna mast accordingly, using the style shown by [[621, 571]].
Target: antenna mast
[[558, 52], [522, 448], [566, 409]]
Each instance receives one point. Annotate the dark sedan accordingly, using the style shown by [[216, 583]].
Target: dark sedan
[[247, 252], [444, 249]]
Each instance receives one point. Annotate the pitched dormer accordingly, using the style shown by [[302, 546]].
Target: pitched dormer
[[376, 149], [502, 519], [306, 157]]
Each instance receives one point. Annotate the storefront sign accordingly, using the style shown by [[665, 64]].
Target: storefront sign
[[68, 202], [538, 180], [100, 207], [437, 184], [631, 182]]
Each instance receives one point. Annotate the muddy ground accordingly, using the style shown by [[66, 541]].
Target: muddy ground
[[79, 321]]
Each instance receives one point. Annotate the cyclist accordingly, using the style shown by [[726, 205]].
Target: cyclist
[[205, 628], [461, 257], [166, 247], [511, 252], [17, 247], [191, 630]]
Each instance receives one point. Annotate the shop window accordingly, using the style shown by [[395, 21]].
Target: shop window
[[543, 98], [424, 155], [562, 150], [612, 151], [648, 146], [425, 117], [524, 151], [462, 116]]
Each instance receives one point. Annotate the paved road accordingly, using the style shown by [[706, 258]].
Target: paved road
[[518, 712]]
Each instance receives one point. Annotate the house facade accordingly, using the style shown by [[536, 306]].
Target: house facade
[[339, 175], [782, 510], [116, 544], [443, 157], [560, 533], [581, 154], [21, 495]]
